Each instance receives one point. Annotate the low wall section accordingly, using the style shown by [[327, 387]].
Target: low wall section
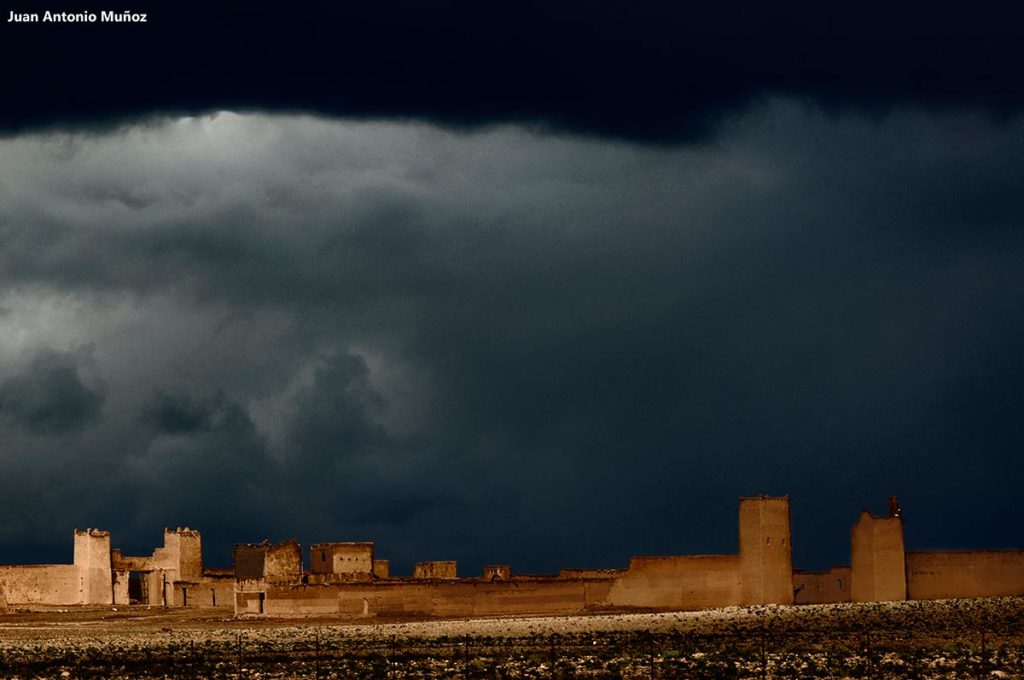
[[41, 584], [650, 582], [822, 587], [590, 573], [686, 582], [975, 573], [210, 592], [438, 598]]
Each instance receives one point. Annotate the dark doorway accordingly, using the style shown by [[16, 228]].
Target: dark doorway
[[137, 587]]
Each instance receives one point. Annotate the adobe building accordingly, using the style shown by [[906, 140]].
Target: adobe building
[[259, 566], [341, 562]]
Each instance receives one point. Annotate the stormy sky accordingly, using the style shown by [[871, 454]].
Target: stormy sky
[[543, 283]]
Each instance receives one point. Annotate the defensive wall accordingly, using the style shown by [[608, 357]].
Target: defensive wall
[[348, 579], [822, 587], [41, 584], [87, 580], [761, 573], [937, 575], [881, 569]]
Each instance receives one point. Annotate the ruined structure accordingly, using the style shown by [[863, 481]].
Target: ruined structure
[[347, 579], [172, 576]]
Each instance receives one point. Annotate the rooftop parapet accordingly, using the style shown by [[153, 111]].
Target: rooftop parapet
[[436, 570]]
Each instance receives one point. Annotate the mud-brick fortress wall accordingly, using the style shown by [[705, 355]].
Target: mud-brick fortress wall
[[434, 597], [86, 581], [679, 582], [760, 574], [968, 573], [41, 584], [347, 579], [882, 570], [822, 587]]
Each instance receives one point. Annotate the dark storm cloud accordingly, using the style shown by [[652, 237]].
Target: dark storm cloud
[[48, 396], [638, 70], [335, 411], [507, 347], [179, 413], [341, 451]]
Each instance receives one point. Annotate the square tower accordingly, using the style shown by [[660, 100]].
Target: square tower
[[766, 551], [878, 558], [92, 557], [184, 554]]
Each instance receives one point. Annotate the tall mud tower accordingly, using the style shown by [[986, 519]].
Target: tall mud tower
[[879, 558], [184, 554], [766, 551], [92, 557]]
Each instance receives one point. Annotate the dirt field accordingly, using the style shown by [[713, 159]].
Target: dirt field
[[947, 639]]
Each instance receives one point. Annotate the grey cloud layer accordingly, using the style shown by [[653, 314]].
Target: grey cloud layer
[[49, 397], [442, 342]]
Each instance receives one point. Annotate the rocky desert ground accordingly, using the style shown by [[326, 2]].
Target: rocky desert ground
[[943, 639]]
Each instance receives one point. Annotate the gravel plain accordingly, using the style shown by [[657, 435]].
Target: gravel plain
[[942, 639]]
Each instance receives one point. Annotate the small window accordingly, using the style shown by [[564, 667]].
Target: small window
[[323, 556], [768, 540], [783, 541]]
